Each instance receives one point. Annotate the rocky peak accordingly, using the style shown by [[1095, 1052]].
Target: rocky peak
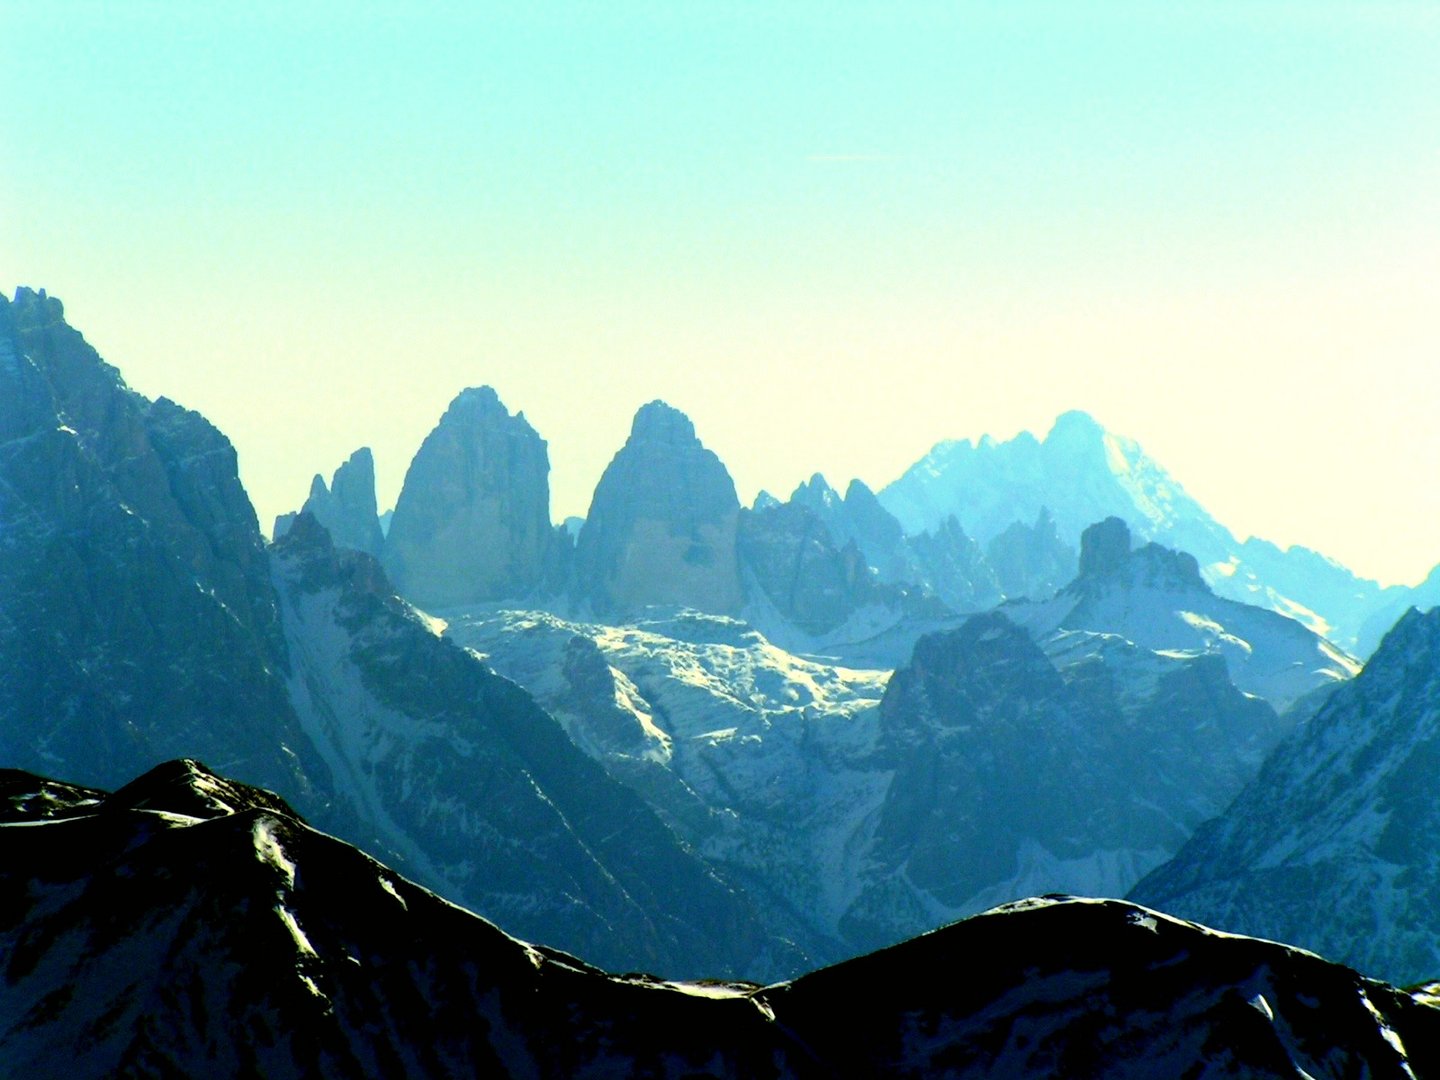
[[136, 614], [1106, 555], [472, 523], [817, 494], [657, 422], [1104, 548], [1074, 429], [347, 507], [662, 524]]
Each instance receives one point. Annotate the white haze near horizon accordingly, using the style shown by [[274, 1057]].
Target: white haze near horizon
[[832, 235]]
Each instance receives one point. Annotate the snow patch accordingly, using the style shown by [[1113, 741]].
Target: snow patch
[[301, 941], [390, 888], [269, 851]]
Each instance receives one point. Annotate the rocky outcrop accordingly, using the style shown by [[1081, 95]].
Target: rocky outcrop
[[794, 562], [662, 524], [1031, 561], [1333, 844], [472, 523], [136, 619], [1157, 598], [1020, 770], [347, 507]]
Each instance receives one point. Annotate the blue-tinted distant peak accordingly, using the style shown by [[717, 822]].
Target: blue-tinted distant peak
[[1075, 424], [658, 421]]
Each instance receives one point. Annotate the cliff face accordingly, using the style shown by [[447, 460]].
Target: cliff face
[[662, 525], [347, 507], [472, 523], [1332, 845], [136, 618]]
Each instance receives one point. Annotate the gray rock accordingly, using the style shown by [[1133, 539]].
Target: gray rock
[[472, 523], [1031, 561], [1332, 846], [347, 507], [662, 524], [794, 561]]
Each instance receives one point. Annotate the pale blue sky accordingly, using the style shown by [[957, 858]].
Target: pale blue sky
[[834, 234]]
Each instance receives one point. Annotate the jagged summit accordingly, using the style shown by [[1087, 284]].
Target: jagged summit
[[815, 492], [1083, 473], [472, 523], [660, 422], [1106, 556], [662, 524], [1075, 425], [347, 507]]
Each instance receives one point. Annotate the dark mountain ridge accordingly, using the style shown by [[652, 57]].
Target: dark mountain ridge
[[187, 925]]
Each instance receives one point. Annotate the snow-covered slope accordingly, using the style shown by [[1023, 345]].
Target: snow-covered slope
[[1082, 473], [760, 759], [1333, 844], [853, 824], [1156, 598], [466, 779], [190, 926]]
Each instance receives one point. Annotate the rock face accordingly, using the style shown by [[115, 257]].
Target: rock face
[[1083, 473], [472, 523], [794, 562], [952, 566], [136, 619], [994, 768], [460, 774], [347, 507], [662, 524], [1157, 598], [1031, 561], [1332, 845], [187, 925], [142, 617], [1017, 772]]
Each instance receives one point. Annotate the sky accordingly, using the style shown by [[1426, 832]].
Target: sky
[[834, 233]]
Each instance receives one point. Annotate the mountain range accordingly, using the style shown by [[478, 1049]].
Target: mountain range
[[688, 737]]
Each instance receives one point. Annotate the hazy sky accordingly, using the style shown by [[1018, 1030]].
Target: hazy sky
[[832, 233]]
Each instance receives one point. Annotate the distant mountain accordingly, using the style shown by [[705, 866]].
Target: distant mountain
[[855, 814], [473, 519], [346, 507], [1081, 473], [187, 925], [662, 524], [1422, 597], [137, 621], [944, 561], [1031, 561], [1332, 846], [142, 617], [1156, 598]]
